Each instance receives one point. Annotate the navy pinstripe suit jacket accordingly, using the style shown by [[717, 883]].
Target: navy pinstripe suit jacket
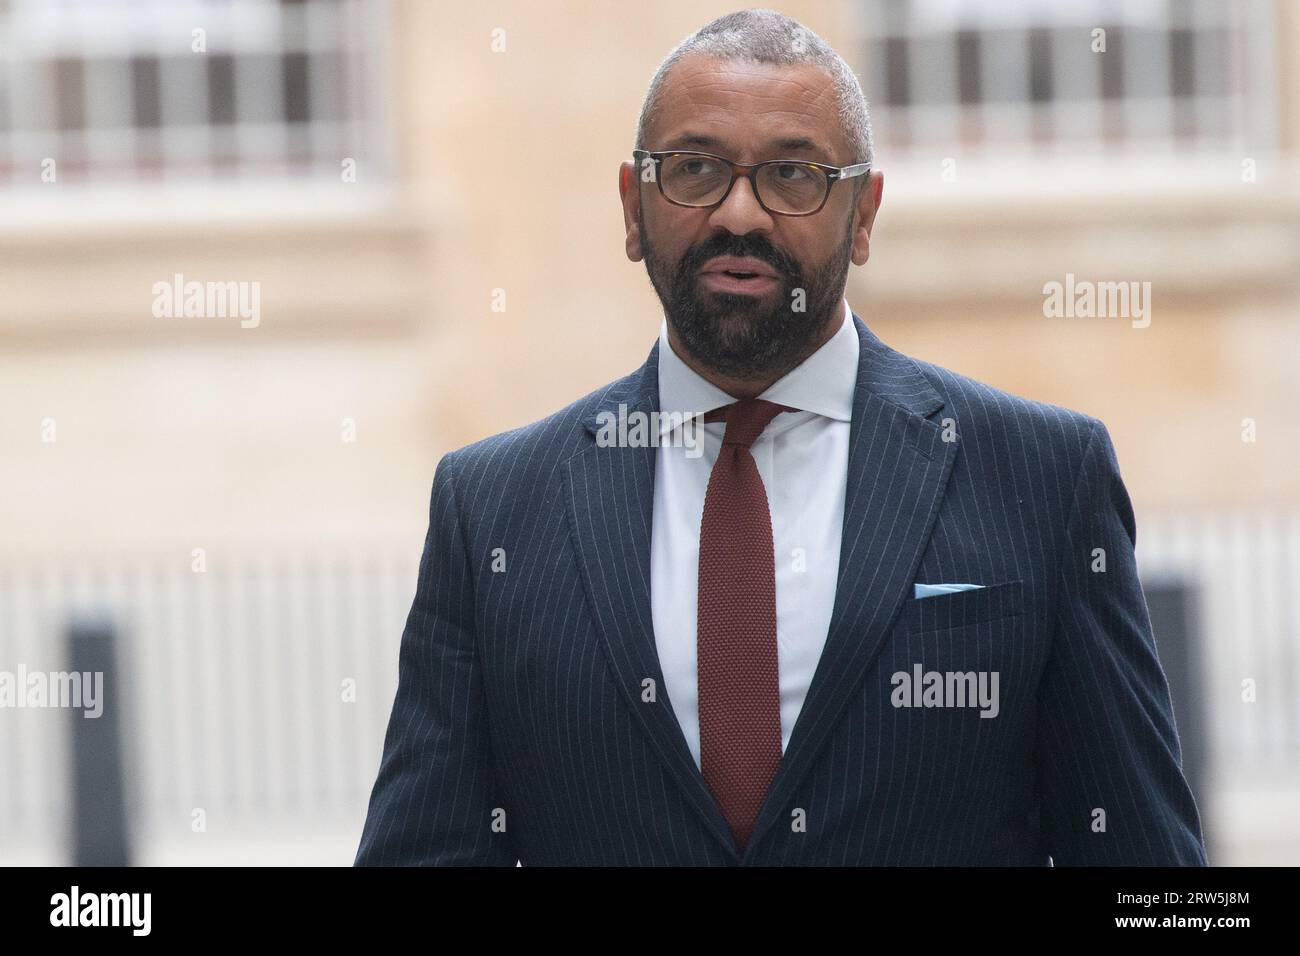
[[525, 727]]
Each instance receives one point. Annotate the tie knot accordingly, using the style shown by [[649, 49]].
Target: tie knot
[[746, 419]]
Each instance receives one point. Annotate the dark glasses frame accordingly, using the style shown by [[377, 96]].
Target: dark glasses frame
[[749, 170]]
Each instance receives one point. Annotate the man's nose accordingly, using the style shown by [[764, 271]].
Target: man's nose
[[740, 213]]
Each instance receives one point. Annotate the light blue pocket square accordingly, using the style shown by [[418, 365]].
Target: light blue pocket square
[[931, 590]]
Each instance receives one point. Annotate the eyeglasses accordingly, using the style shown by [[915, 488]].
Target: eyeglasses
[[788, 187]]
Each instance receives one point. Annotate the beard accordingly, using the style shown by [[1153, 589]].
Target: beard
[[749, 336]]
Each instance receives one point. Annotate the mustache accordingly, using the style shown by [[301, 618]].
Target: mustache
[[739, 246]]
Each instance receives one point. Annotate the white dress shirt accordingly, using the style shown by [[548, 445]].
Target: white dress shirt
[[803, 459]]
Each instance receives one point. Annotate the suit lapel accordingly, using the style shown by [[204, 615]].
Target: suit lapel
[[610, 499], [898, 467]]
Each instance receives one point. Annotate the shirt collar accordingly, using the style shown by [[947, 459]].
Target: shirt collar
[[823, 383]]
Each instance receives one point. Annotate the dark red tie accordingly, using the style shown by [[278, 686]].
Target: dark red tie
[[739, 689]]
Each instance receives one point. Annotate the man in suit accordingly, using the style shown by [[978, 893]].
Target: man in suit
[[867, 612]]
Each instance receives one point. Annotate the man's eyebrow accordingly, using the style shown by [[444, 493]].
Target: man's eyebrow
[[798, 144], [781, 146], [693, 140]]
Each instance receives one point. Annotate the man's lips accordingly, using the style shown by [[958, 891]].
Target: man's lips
[[739, 266], [738, 275]]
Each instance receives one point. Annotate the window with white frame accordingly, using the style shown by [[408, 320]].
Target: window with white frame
[[1069, 76], [185, 90]]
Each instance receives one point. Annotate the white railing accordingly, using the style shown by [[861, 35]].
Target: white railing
[[163, 90], [1244, 569], [232, 682], [975, 78]]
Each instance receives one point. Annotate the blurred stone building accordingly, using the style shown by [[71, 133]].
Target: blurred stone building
[[424, 197]]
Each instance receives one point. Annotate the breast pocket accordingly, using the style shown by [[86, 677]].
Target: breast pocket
[[958, 659], [962, 608], [960, 675]]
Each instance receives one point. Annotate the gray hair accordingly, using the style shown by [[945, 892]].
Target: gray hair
[[765, 36]]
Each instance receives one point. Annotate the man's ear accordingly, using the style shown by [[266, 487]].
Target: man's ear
[[868, 204], [629, 191]]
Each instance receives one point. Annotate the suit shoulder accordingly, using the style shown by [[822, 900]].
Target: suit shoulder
[[984, 408], [542, 444]]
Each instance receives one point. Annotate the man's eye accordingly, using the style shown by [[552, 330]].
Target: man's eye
[[791, 172], [697, 167]]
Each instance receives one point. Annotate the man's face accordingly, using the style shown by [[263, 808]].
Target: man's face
[[747, 112]]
